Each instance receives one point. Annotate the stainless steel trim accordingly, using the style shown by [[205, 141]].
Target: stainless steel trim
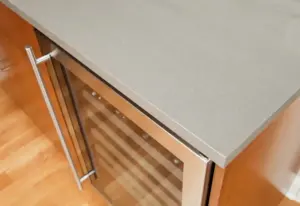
[[34, 63], [84, 177]]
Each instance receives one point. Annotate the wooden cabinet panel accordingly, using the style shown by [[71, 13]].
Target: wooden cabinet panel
[[263, 173], [19, 81]]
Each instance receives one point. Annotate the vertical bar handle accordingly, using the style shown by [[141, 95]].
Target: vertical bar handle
[[34, 63]]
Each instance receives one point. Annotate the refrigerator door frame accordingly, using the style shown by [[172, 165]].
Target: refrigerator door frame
[[197, 168]]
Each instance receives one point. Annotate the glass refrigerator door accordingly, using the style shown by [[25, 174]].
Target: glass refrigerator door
[[136, 161], [131, 167]]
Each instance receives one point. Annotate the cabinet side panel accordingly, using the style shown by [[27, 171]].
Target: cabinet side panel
[[19, 81], [263, 173]]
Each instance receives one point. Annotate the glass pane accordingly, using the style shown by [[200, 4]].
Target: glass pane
[[74, 130], [131, 167]]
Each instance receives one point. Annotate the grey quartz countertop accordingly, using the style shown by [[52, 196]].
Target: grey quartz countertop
[[214, 72]]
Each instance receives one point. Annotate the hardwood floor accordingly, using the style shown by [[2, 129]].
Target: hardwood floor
[[32, 171]]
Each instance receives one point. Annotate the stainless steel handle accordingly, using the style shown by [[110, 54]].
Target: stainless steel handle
[[34, 63]]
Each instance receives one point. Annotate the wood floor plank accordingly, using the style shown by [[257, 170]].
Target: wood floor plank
[[32, 171]]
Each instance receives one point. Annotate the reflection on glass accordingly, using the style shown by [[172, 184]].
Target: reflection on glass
[[131, 167]]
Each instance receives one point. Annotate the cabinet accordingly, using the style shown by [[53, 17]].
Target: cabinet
[[259, 176], [265, 170]]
